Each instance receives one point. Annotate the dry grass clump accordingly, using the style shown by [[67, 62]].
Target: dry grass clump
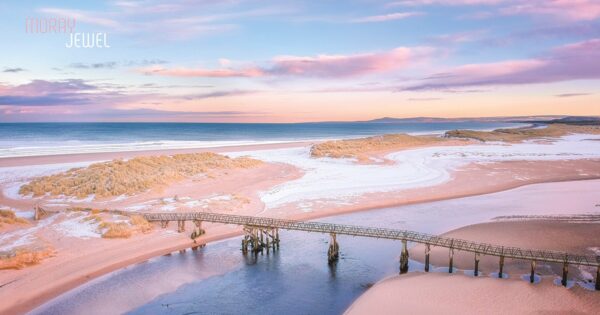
[[522, 134], [142, 224], [116, 229], [22, 257], [136, 223], [139, 174], [8, 217], [357, 148]]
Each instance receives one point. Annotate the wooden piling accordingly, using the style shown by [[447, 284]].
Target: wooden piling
[[427, 251], [181, 226], [500, 274], [565, 273], [333, 252], [450, 267], [598, 279], [404, 258], [476, 272], [532, 275]]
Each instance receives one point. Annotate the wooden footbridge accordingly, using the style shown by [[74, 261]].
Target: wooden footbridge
[[263, 234]]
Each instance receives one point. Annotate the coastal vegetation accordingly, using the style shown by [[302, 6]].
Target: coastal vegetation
[[127, 177], [8, 217], [20, 258], [359, 148], [522, 134]]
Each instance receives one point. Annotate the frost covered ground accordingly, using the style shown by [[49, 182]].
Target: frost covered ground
[[336, 179]]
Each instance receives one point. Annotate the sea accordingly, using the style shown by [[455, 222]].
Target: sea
[[36, 139]]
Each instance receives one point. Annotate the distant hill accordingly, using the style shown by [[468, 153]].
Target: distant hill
[[527, 119], [573, 120]]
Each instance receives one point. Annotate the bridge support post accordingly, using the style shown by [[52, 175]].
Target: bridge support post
[[500, 274], [532, 275], [333, 252], [404, 258], [451, 254], [180, 226], [39, 213], [598, 279], [164, 224], [427, 251], [476, 272], [565, 273]]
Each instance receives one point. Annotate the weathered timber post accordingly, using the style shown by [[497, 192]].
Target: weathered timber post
[[427, 251], [598, 279], [198, 224], [565, 272], [39, 213], [501, 267], [476, 272], [532, 275], [277, 237], [404, 258], [164, 224], [268, 236], [451, 256], [333, 252], [181, 226]]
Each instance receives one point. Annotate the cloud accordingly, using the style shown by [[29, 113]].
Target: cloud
[[218, 94], [54, 93], [208, 73], [83, 16], [385, 17], [13, 70], [570, 62], [572, 94], [324, 66], [99, 65], [567, 9], [576, 10]]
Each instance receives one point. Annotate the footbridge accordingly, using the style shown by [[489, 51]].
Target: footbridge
[[262, 233]]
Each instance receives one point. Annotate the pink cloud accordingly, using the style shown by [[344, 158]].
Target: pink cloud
[[209, 73], [568, 9], [578, 10], [570, 62], [386, 17], [311, 66]]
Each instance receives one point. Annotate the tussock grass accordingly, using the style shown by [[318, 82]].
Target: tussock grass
[[8, 217], [139, 174], [23, 257], [522, 134], [358, 148], [116, 230], [140, 223]]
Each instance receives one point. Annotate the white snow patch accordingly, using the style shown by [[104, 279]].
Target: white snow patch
[[76, 227]]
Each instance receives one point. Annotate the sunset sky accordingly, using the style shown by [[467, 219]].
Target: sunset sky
[[292, 61]]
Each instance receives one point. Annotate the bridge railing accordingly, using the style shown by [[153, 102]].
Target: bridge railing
[[384, 233]]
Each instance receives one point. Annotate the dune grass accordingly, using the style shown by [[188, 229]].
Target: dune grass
[[133, 176], [359, 148], [23, 257], [8, 217], [522, 134]]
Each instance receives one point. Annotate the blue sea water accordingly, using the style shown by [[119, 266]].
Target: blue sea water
[[31, 139]]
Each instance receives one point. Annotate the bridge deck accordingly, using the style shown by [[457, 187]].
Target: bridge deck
[[411, 236]]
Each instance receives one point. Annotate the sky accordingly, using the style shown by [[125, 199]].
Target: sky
[[296, 61]]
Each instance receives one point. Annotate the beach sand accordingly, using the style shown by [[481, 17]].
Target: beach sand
[[79, 260], [442, 293]]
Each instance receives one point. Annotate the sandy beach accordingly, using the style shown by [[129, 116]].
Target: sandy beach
[[461, 294], [290, 184]]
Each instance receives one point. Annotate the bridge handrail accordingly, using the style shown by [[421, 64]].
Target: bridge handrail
[[385, 233]]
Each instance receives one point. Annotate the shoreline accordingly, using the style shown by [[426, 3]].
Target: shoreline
[[53, 292]]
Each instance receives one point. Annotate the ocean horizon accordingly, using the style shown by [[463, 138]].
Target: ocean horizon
[[36, 139]]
